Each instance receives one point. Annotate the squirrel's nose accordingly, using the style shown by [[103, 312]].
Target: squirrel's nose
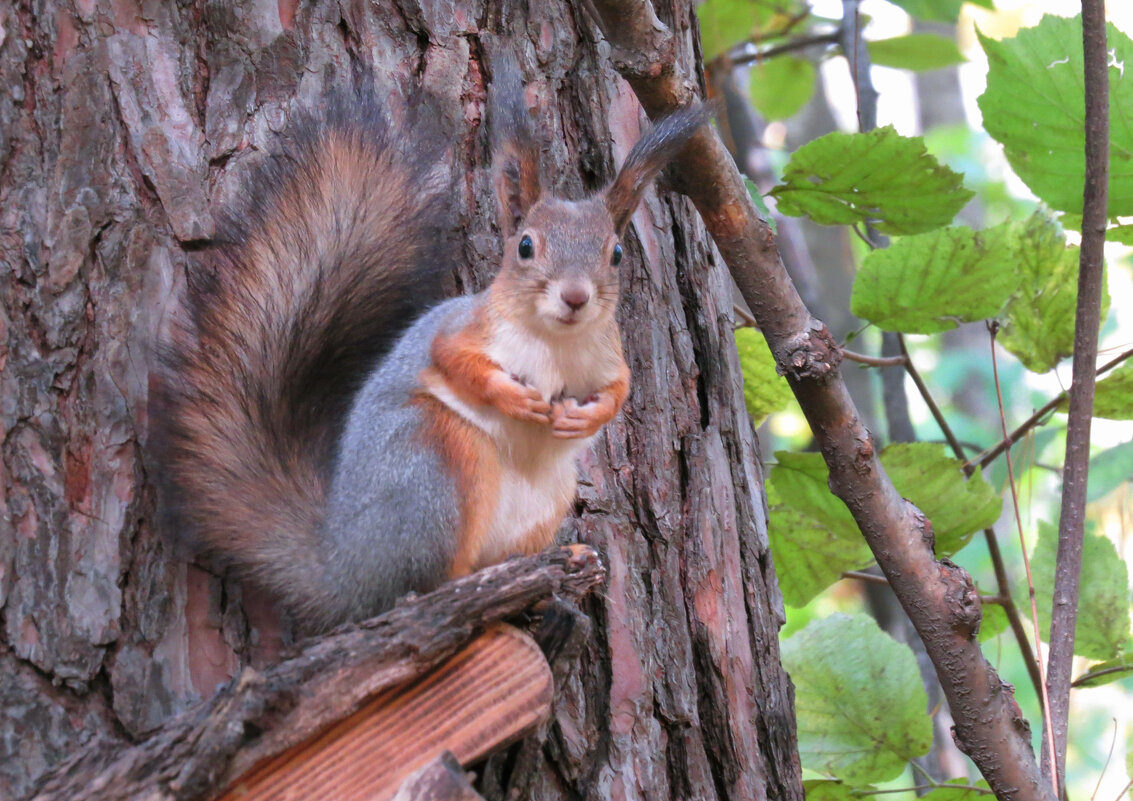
[[575, 296]]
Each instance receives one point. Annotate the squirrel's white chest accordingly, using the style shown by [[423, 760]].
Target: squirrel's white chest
[[566, 366]]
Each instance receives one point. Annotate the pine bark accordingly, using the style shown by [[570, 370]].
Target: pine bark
[[123, 128]]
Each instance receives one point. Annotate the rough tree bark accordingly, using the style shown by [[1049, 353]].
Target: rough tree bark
[[123, 126]]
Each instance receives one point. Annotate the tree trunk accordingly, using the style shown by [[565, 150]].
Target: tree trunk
[[126, 125]]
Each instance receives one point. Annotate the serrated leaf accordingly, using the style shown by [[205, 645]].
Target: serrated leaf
[[1113, 395], [1106, 672], [1103, 601], [765, 391], [957, 507], [917, 51], [1034, 106], [780, 87], [1109, 470], [814, 539], [879, 177], [928, 283], [809, 556], [1120, 233], [859, 700], [1039, 319]]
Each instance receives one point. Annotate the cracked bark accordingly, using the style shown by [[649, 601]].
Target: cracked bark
[[127, 124]]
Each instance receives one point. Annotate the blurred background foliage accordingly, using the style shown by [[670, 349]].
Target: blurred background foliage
[[972, 171]]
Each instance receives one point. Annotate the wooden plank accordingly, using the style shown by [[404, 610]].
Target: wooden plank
[[485, 696]]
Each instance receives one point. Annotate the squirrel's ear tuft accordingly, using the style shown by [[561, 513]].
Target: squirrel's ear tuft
[[515, 150], [654, 150]]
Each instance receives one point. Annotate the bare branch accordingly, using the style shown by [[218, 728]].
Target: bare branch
[[1072, 521], [989, 456], [938, 596]]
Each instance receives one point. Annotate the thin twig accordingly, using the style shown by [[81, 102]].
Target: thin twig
[[1087, 321], [790, 46], [874, 361], [987, 457], [926, 396], [869, 578], [1108, 757], [1047, 722], [968, 787], [744, 315], [1093, 674]]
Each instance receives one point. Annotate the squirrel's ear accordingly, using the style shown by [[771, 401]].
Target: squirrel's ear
[[515, 150], [652, 152]]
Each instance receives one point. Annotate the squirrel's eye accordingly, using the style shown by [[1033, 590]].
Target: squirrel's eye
[[526, 247], [616, 259]]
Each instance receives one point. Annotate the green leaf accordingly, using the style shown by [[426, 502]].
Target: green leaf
[[928, 283], [957, 507], [1034, 106], [1113, 395], [993, 622], [936, 10], [765, 391], [760, 204], [813, 537], [859, 700], [965, 792], [781, 86], [1106, 672], [825, 790], [880, 177], [1103, 602], [1120, 233], [917, 51], [1039, 318], [726, 23], [1109, 470]]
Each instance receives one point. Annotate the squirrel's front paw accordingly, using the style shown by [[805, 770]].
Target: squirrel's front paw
[[518, 400], [573, 420]]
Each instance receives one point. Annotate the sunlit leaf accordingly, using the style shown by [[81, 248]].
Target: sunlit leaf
[[880, 177], [980, 791], [1113, 395], [1034, 106], [1120, 233], [1103, 602], [1039, 319], [934, 481], [1107, 672], [917, 51], [813, 536], [765, 391], [781, 86], [929, 283], [1109, 470], [859, 700], [726, 23]]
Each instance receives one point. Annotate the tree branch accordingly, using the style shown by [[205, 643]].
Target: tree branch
[[939, 597], [1071, 523], [990, 455], [260, 715]]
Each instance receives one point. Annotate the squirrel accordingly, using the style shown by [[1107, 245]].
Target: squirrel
[[332, 432]]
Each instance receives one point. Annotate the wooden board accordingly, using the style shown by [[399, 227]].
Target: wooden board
[[486, 696]]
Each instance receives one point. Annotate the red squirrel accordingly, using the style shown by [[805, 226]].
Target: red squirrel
[[339, 438]]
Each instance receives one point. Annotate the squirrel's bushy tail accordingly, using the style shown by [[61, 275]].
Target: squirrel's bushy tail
[[338, 246]]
